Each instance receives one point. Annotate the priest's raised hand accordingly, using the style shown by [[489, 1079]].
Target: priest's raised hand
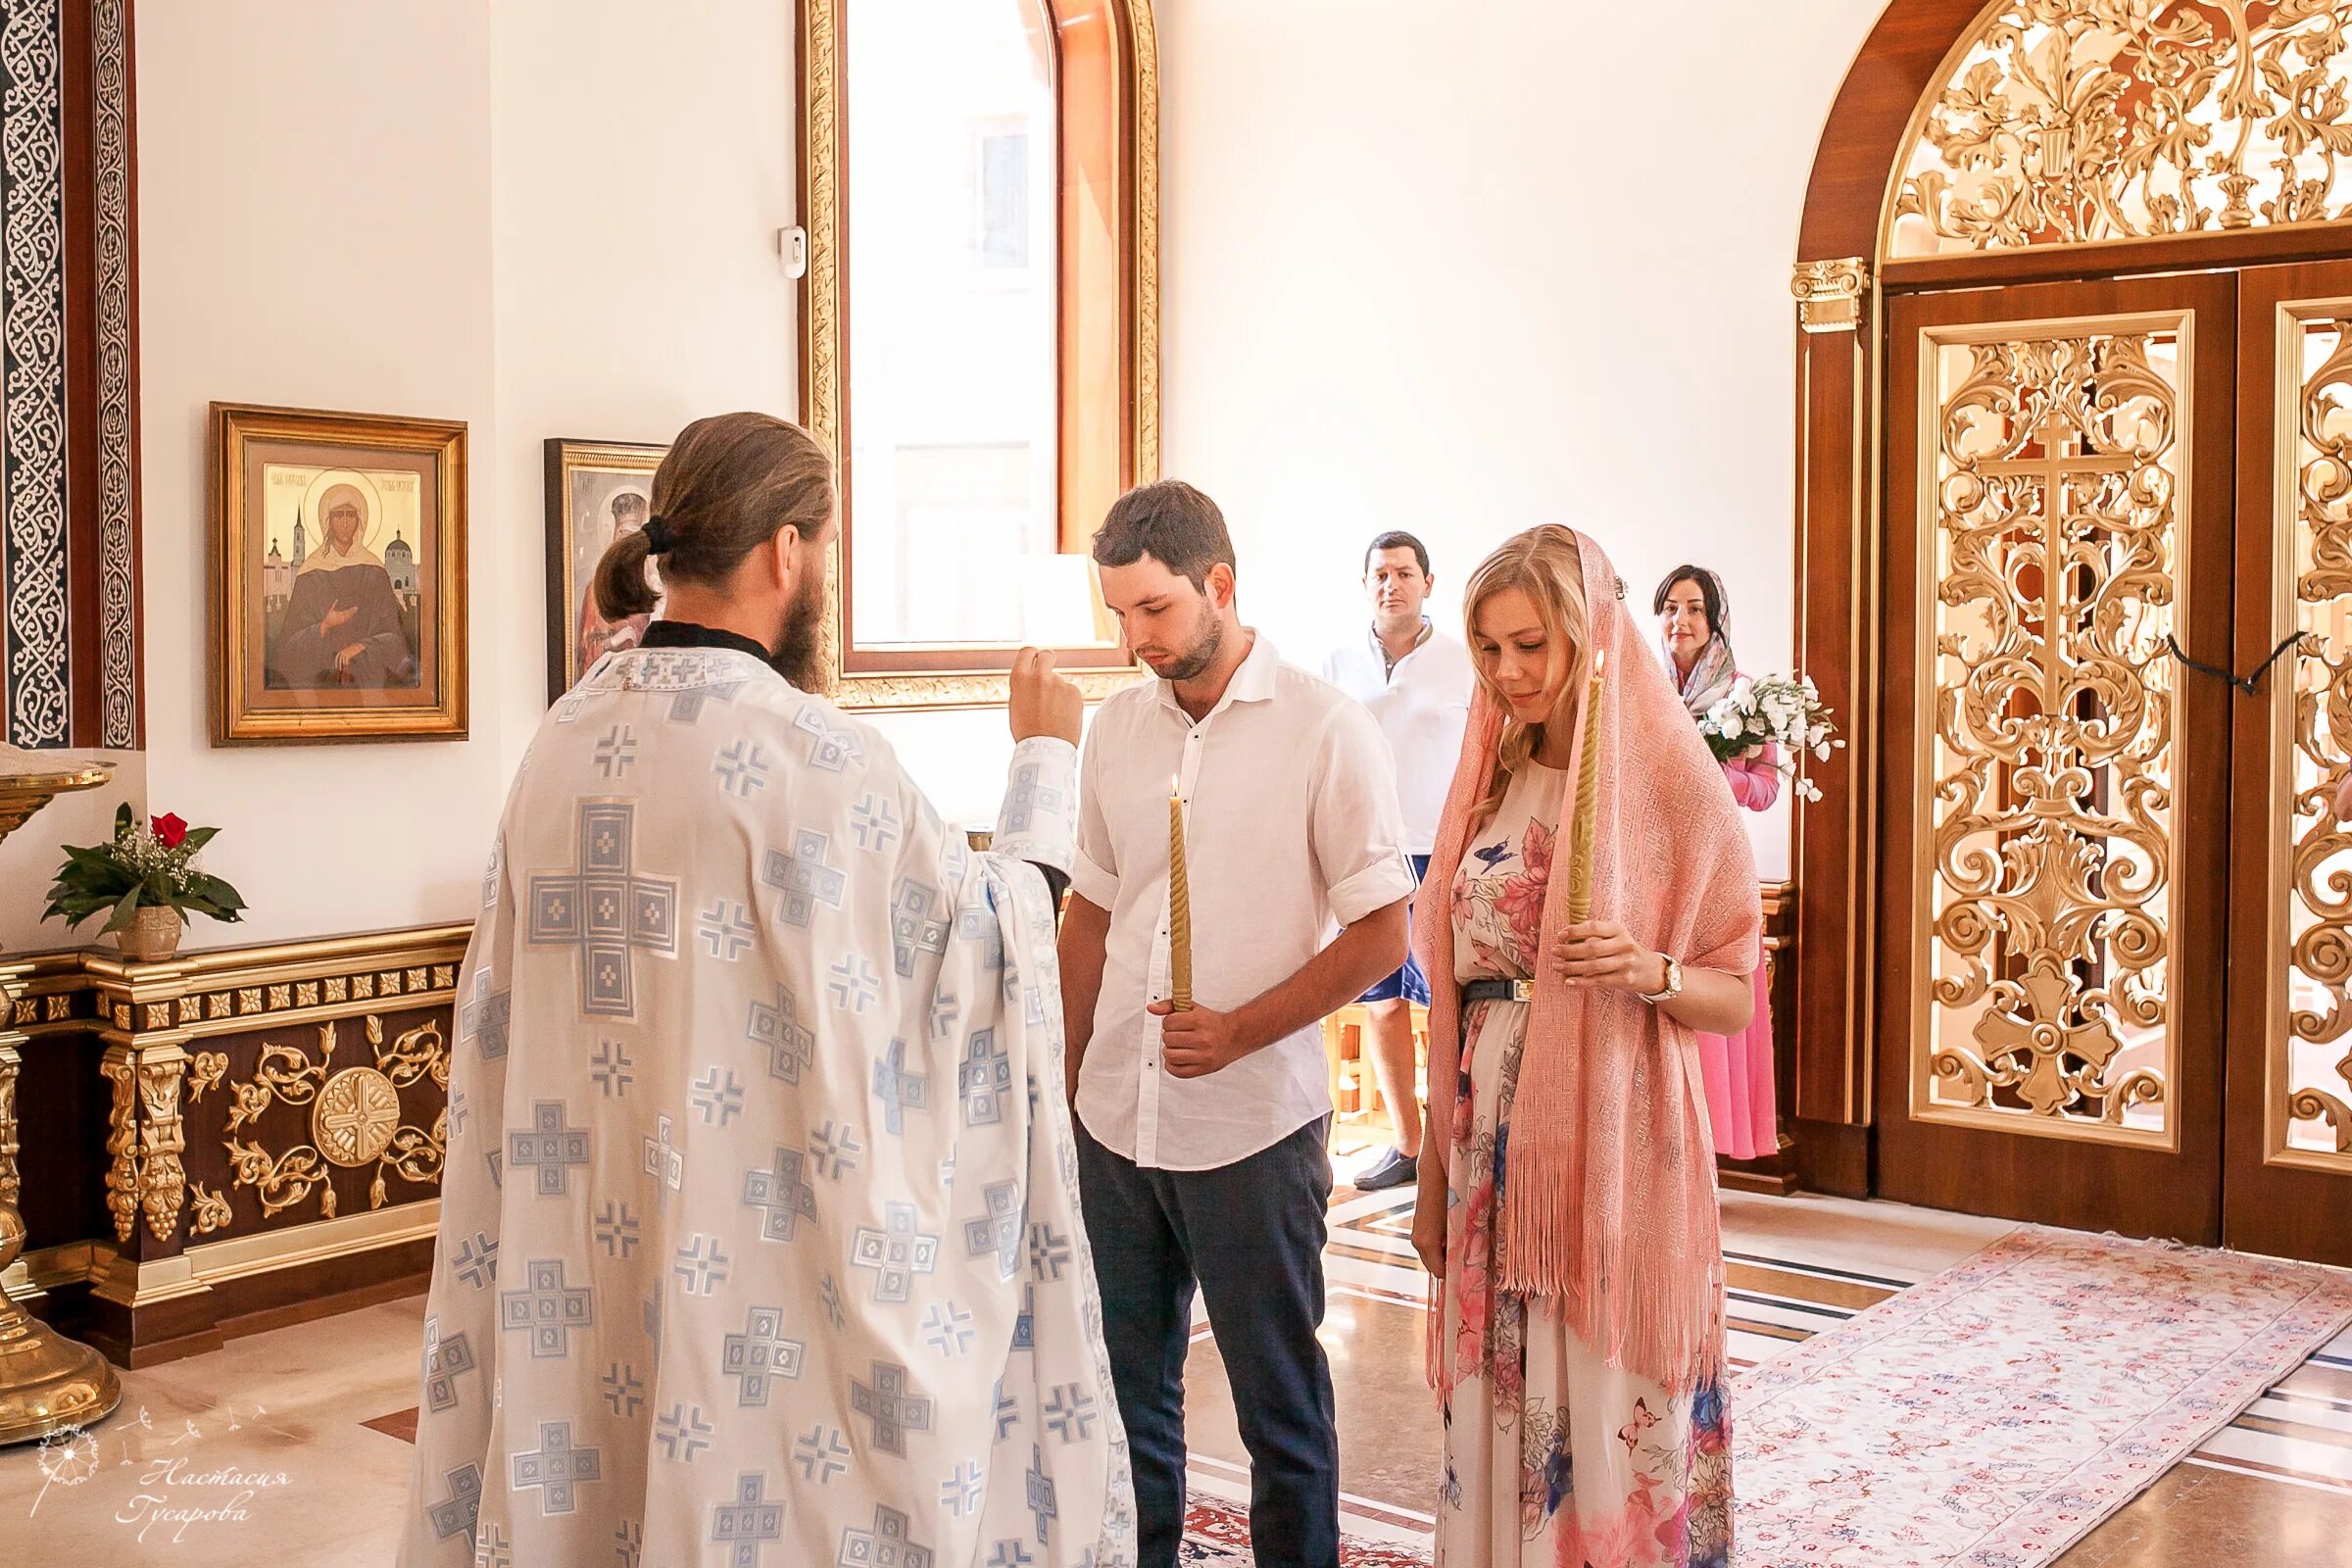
[[760, 1228]]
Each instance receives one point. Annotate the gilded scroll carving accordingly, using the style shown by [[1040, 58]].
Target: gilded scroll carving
[[2313, 1092], [145, 1139], [2055, 547], [355, 1117], [2070, 121]]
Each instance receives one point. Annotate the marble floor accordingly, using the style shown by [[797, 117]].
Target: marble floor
[[265, 1448]]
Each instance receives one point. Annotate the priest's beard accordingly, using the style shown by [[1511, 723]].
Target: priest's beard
[[795, 654]]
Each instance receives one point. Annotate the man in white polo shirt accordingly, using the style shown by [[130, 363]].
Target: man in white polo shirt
[[1416, 680], [1200, 1137]]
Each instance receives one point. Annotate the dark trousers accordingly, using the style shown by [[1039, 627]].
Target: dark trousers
[[1250, 1235]]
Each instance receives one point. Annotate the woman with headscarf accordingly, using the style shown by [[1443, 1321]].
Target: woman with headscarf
[[1695, 617], [1577, 1331]]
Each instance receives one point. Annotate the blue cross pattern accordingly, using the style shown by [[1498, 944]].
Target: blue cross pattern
[[742, 769], [853, 984], [726, 931], [606, 909], [830, 750], [461, 1509], [699, 1266], [624, 1390], [1029, 796], [552, 1147], [984, 1080], [875, 821], [776, 1028], [963, 1488], [547, 1309], [782, 1194], [1070, 1414], [749, 1524], [998, 1231], [475, 1261], [760, 1352], [803, 878], [899, 1090], [913, 928], [834, 1150], [823, 1452], [683, 1428], [949, 1328], [557, 1467], [896, 1254], [1049, 1251], [617, 1230], [445, 1360], [1041, 1495], [889, 1544], [486, 1016], [719, 1097], [890, 1405]]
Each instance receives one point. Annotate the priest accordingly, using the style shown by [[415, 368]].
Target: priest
[[759, 1239]]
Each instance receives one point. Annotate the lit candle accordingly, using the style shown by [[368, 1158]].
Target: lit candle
[[1180, 908], [1587, 803]]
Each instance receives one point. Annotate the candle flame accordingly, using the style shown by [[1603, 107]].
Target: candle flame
[[1601, 658]]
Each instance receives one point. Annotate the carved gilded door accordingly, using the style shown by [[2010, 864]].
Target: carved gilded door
[[2287, 1178], [2055, 865]]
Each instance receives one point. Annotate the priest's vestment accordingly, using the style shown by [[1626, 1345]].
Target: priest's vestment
[[759, 1239]]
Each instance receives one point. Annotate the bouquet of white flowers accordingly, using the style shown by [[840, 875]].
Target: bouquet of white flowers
[[1783, 710]]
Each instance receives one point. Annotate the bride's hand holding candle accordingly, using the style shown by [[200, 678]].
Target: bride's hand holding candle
[[1604, 954]]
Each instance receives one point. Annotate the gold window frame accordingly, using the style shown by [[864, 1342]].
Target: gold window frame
[[976, 676]]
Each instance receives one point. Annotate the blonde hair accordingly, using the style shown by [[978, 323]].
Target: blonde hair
[[1546, 565]]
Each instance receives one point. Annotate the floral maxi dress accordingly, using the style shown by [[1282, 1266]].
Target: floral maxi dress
[[1553, 1459]]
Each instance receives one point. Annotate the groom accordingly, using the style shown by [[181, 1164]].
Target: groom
[[1200, 1145]]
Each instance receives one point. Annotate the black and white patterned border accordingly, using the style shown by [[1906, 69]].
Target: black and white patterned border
[[117, 563], [35, 660]]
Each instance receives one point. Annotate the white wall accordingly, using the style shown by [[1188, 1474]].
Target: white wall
[[1465, 270], [1418, 274], [314, 231]]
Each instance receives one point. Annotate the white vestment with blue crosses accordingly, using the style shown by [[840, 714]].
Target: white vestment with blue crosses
[[760, 1235]]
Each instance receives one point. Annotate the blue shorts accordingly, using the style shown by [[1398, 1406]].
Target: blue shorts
[[1407, 982]]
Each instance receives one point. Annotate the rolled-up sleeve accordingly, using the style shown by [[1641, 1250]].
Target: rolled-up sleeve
[[1094, 870], [1357, 828]]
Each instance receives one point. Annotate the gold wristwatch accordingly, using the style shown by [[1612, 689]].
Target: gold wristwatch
[[1674, 984]]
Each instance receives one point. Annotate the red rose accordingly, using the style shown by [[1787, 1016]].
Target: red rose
[[168, 829]]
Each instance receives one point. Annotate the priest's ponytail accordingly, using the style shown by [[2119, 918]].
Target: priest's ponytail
[[728, 485]]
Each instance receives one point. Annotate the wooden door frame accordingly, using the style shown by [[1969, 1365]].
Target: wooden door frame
[[1840, 294], [2269, 1205], [2027, 1171]]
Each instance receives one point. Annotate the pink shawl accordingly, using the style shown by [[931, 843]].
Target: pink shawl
[[1610, 1207]]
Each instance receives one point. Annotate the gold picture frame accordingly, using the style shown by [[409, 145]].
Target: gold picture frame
[[594, 489], [337, 577]]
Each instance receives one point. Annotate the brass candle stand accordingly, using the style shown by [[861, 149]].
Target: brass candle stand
[[48, 1382]]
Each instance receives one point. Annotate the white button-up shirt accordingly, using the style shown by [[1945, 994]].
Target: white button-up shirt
[[1290, 823], [1422, 707]]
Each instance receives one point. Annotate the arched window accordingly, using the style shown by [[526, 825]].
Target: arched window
[[980, 335]]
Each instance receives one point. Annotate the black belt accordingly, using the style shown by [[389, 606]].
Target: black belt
[[1498, 991]]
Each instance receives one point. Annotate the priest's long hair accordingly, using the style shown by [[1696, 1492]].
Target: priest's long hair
[[730, 483]]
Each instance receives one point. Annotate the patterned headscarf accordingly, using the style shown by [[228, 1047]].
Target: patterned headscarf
[[1710, 679]]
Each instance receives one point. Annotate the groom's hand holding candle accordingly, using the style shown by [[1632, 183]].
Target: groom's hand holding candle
[[1194, 1041]]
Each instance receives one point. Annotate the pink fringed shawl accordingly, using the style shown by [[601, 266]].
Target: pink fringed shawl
[[1609, 1204]]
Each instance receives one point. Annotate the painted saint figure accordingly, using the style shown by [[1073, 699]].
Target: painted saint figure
[[343, 622], [598, 636]]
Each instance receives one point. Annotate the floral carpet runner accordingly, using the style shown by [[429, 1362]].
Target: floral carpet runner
[[1216, 1534], [1992, 1416]]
